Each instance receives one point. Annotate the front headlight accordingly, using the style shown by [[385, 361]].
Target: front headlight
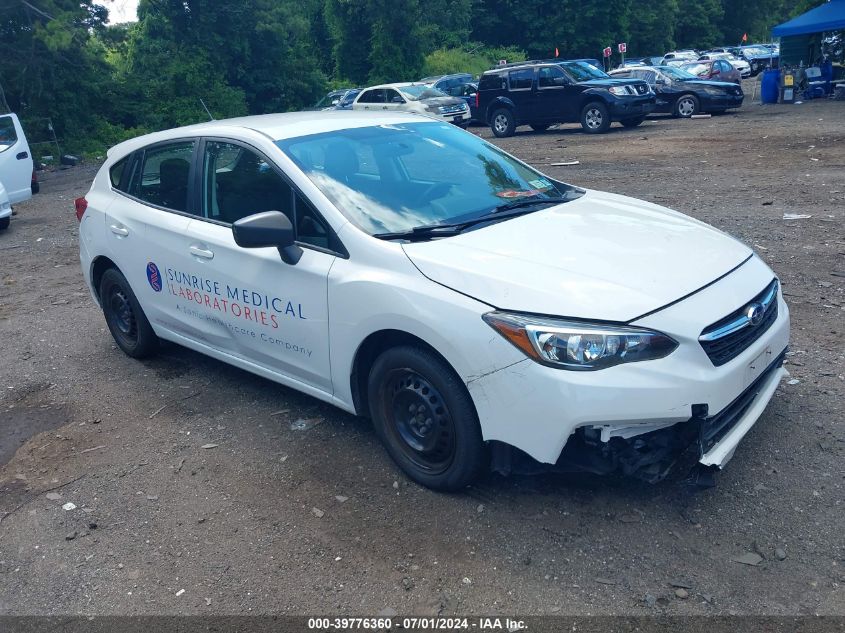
[[579, 346], [619, 91]]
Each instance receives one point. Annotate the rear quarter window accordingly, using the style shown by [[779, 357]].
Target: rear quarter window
[[116, 173], [8, 134]]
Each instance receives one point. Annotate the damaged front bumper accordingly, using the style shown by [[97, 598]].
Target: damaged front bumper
[[650, 454]]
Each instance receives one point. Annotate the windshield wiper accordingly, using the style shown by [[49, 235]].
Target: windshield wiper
[[499, 213]]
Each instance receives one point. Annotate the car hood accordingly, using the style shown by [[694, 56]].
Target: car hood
[[602, 256], [441, 101]]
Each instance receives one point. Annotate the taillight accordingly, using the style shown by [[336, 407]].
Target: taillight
[[476, 100], [81, 205]]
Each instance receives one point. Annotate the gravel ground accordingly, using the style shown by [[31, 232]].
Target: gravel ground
[[276, 520]]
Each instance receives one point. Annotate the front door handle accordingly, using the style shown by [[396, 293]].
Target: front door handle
[[120, 231], [196, 251], [22, 156]]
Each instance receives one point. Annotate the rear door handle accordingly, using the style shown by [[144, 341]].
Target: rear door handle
[[22, 156], [196, 251], [120, 231]]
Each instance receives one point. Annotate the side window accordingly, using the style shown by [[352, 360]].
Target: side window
[[310, 227], [8, 135], [116, 172], [237, 182], [393, 96], [367, 97], [164, 176], [521, 79], [551, 77]]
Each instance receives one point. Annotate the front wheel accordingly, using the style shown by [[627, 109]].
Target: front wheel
[[632, 122], [126, 320], [686, 106], [425, 417], [503, 123], [595, 119]]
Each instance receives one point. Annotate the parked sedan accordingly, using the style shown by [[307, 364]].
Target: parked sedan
[[413, 97], [741, 65], [676, 58], [682, 94], [330, 101], [718, 70]]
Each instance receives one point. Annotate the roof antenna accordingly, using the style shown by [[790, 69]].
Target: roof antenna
[[210, 118]]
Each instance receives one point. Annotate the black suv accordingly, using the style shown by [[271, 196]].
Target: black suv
[[540, 93]]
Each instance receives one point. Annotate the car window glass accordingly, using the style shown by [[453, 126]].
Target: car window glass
[[521, 79], [164, 176], [310, 227], [238, 182], [392, 96], [367, 97], [8, 134], [116, 173], [551, 77]]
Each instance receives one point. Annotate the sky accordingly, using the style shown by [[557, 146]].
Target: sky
[[121, 10]]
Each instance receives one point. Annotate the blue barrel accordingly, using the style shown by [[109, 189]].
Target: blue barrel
[[770, 85]]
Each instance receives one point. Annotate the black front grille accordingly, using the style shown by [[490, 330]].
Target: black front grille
[[727, 347], [714, 428]]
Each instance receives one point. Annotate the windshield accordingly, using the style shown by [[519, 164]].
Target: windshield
[[582, 71], [676, 73], [414, 93], [757, 50], [329, 100], [695, 69], [394, 178]]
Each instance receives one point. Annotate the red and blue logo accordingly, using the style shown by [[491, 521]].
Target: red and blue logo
[[154, 277]]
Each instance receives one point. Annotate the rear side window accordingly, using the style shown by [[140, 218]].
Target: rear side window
[[164, 176], [116, 173], [521, 79], [8, 134]]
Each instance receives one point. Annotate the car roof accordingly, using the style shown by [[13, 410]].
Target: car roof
[[399, 84], [274, 126]]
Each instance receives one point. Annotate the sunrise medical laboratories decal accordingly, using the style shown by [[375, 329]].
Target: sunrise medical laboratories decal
[[236, 301]]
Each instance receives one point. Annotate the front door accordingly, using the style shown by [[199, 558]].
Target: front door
[[552, 98], [273, 314], [15, 159]]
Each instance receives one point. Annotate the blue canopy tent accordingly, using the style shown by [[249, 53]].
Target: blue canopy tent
[[828, 17]]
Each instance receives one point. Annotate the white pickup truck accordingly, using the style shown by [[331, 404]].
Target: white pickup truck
[[15, 167]]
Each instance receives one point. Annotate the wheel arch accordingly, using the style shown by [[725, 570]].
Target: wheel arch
[[99, 266], [369, 350], [497, 104]]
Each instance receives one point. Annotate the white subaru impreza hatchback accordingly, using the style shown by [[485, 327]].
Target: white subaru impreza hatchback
[[405, 270]]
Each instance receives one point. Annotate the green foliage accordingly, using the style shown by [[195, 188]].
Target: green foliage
[[473, 59]]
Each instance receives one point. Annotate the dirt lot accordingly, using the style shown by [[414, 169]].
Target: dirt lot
[[237, 527]]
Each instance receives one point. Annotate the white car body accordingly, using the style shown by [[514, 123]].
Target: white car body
[[5, 208], [447, 108], [676, 58], [15, 159], [625, 261]]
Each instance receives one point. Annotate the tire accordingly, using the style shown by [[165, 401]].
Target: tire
[[539, 127], [685, 106], [126, 320], [35, 187], [4, 224], [632, 122], [595, 119], [425, 418], [503, 123]]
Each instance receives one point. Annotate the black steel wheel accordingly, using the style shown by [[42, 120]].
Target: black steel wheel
[[126, 320], [425, 418]]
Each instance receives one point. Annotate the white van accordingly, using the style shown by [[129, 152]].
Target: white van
[[15, 160]]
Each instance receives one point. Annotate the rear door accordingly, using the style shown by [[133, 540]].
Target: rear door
[[522, 92], [15, 159]]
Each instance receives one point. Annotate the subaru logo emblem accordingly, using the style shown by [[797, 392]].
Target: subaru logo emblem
[[754, 313]]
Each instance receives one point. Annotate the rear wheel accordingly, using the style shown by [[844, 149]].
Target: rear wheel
[[4, 224], [595, 118], [503, 123], [426, 419], [632, 122], [539, 127], [686, 106], [126, 320]]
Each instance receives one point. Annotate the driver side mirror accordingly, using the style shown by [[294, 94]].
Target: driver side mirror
[[268, 229]]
